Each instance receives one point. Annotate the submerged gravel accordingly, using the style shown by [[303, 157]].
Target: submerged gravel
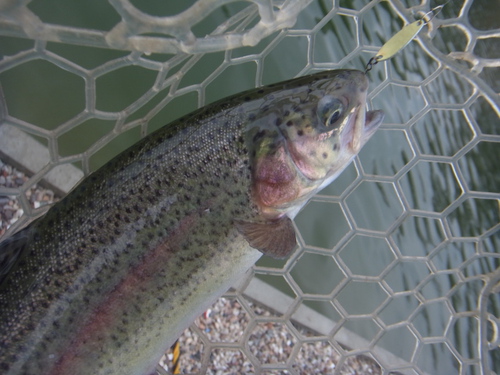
[[10, 208], [221, 341]]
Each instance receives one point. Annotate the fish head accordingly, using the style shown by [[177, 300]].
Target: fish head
[[305, 134]]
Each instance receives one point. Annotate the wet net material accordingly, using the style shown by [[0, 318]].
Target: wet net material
[[398, 260]]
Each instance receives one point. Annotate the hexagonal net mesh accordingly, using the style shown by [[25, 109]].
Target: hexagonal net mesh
[[398, 265]]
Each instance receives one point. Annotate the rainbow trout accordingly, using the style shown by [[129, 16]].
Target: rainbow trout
[[113, 273]]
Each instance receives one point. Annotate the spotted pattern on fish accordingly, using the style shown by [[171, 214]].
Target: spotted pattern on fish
[[115, 271]]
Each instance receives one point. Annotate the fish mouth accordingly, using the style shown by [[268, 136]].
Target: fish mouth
[[361, 125], [373, 119]]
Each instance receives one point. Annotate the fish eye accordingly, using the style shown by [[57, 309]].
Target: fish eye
[[329, 110]]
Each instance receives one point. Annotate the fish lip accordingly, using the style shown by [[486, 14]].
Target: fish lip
[[373, 120], [362, 132], [352, 129]]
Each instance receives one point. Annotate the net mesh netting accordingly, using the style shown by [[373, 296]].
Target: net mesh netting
[[398, 258]]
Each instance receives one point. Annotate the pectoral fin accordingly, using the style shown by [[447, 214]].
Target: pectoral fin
[[275, 238]]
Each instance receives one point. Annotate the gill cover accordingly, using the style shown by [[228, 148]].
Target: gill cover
[[301, 135]]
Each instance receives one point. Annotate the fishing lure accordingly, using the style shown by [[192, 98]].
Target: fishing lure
[[401, 39]]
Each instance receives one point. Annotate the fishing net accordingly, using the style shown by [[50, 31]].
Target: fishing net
[[398, 262]]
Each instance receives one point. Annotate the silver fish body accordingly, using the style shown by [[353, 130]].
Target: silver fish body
[[112, 274]]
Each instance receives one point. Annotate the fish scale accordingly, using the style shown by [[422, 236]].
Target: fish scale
[[112, 274], [108, 261]]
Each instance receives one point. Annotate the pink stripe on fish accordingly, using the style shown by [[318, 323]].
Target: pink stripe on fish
[[92, 336]]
